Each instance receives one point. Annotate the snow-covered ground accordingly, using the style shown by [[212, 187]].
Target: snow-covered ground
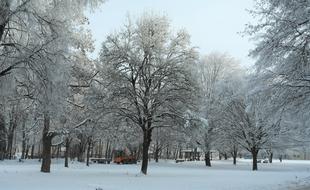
[[164, 175]]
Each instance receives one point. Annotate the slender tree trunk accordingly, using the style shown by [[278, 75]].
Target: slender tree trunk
[[156, 154], [254, 152], [32, 151], [23, 145], [13, 125], [180, 153], [58, 151], [47, 145], [3, 137], [147, 134], [107, 148], [27, 152], [23, 139], [207, 159], [225, 156], [270, 157], [40, 152], [92, 150], [168, 152], [234, 154], [89, 144], [81, 149], [67, 152], [100, 148], [235, 159]]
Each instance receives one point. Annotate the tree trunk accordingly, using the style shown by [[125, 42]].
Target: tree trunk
[[107, 149], [156, 154], [270, 157], [27, 152], [13, 125], [32, 151], [168, 152], [89, 143], [207, 159], [67, 152], [23, 145], [100, 149], [234, 154], [225, 156], [39, 152], [3, 139], [147, 134], [58, 151], [81, 148], [254, 152], [180, 153], [47, 145], [157, 150]]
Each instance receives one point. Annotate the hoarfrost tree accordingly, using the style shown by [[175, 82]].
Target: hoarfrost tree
[[283, 51], [40, 37], [217, 74], [249, 124], [150, 83], [283, 56]]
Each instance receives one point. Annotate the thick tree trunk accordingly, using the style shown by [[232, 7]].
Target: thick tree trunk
[[47, 145], [147, 134], [254, 152], [207, 159]]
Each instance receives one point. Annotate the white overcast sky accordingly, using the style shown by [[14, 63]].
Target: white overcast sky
[[212, 24]]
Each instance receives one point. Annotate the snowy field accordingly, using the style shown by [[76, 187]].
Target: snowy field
[[289, 175]]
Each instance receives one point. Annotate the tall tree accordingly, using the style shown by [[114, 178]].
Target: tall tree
[[217, 75], [149, 82], [282, 51]]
